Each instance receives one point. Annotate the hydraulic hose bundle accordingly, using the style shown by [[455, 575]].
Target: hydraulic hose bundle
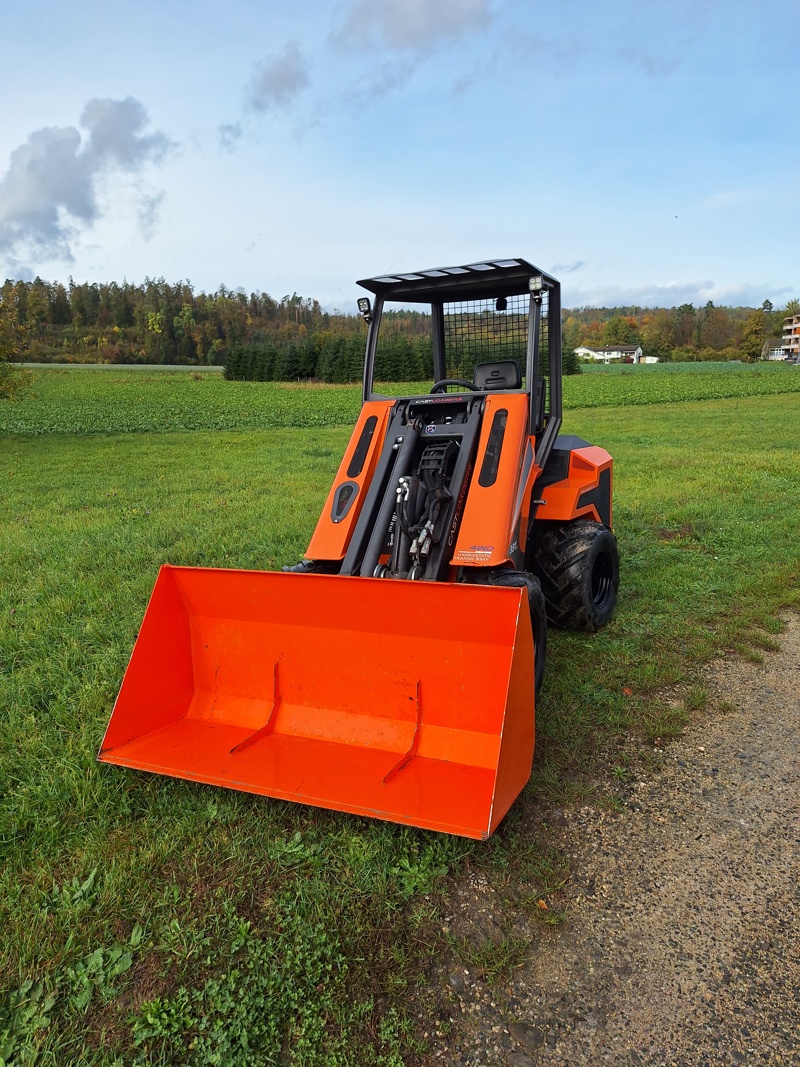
[[421, 511]]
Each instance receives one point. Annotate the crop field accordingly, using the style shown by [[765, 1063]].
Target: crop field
[[151, 921], [700, 366], [75, 401]]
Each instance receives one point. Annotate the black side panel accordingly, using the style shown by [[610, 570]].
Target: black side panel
[[570, 441], [494, 446], [600, 496], [557, 467], [360, 454]]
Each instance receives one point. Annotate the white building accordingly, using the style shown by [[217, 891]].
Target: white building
[[790, 343], [624, 353], [773, 349]]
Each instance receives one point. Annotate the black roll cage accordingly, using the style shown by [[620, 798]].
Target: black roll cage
[[487, 280]]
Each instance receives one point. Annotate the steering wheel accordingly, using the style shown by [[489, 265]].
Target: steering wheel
[[441, 387]]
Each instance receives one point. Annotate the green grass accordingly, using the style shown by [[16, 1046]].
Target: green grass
[[706, 498], [299, 919], [154, 921], [79, 401]]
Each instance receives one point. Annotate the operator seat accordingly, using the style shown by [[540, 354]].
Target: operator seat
[[504, 374]]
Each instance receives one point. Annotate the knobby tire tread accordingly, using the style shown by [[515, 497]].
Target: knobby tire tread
[[560, 563]]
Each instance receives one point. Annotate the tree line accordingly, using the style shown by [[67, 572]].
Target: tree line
[[259, 337], [154, 322], [679, 333]]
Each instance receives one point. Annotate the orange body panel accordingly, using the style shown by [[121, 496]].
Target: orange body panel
[[331, 538], [348, 693], [489, 518], [571, 498]]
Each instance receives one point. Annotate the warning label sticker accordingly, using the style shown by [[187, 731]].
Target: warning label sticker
[[472, 557]]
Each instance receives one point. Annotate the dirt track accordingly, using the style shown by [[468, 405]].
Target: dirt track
[[683, 940]]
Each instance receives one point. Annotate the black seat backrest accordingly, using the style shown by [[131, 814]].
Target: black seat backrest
[[504, 374]]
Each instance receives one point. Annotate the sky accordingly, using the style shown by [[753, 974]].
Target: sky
[[642, 152]]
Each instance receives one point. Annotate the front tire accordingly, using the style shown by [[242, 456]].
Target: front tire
[[577, 564], [536, 603]]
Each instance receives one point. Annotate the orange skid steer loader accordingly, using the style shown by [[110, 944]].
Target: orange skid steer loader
[[393, 672]]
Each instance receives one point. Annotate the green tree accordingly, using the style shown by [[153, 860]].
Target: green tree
[[753, 335], [570, 337], [12, 343], [773, 320], [658, 335], [59, 306], [685, 324], [620, 330], [38, 306], [714, 327], [570, 364], [155, 340], [185, 326]]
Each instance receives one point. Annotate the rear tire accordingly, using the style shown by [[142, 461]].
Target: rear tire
[[577, 564], [536, 604]]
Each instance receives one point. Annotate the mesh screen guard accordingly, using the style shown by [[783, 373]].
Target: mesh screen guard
[[474, 331]]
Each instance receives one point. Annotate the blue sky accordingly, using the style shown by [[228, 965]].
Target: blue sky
[[644, 153]]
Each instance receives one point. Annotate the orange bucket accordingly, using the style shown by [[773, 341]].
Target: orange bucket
[[406, 701]]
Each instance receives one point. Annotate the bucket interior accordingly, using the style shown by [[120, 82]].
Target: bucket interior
[[408, 701]]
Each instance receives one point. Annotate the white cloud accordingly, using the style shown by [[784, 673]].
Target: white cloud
[[115, 134], [673, 294], [409, 25], [230, 133], [148, 212], [278, 80], [50, 190], [567, 268], [651, 63]]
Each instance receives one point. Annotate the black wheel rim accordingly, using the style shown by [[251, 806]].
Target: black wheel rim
[[602, 580]]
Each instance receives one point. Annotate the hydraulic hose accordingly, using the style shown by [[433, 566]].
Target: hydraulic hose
[[401, 464]]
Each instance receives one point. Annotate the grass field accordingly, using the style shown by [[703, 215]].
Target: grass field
[[151, 921]]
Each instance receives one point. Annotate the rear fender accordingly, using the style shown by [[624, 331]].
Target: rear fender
[[584, 493]]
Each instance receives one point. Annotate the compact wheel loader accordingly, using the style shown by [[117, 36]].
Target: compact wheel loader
[[393, 672]]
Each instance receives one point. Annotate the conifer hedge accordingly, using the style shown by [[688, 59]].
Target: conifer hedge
[[330, 356]]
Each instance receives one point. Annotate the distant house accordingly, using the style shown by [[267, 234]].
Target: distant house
[[624, 353], [773, 349], [790, 342]]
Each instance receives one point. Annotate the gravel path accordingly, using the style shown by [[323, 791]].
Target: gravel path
[[683, 940]]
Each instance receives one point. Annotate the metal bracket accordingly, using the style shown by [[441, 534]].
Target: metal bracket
[[269, 725], [406, 759]]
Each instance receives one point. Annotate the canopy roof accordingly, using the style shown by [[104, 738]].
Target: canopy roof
[[487, 278]]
